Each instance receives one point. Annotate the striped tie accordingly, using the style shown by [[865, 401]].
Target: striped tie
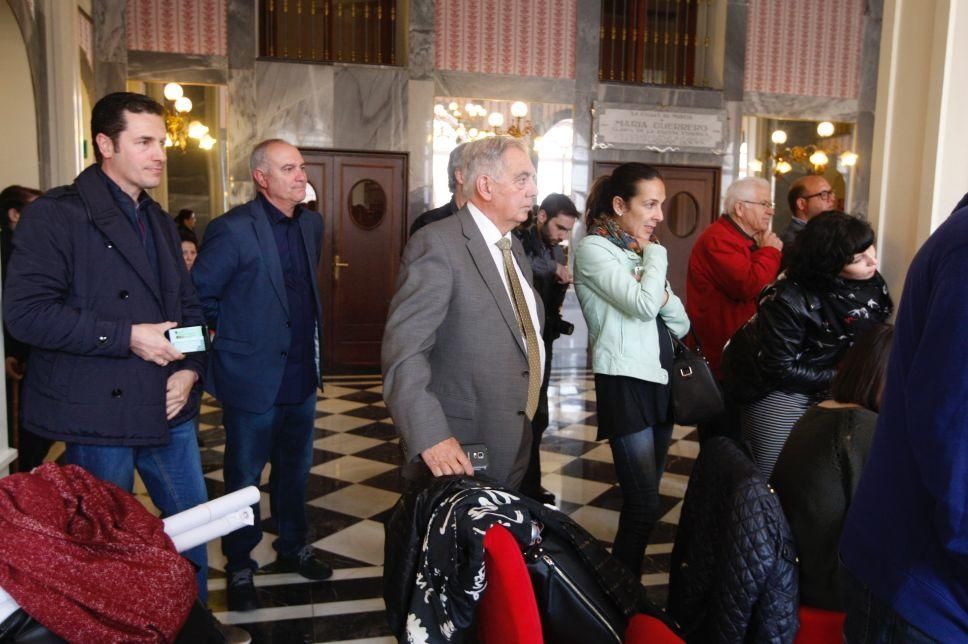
[[524, 319]]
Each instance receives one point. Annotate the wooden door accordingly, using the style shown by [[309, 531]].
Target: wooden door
[[363, 200], [692, 203]]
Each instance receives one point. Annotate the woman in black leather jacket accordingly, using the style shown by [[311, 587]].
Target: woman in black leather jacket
[[784, 358]]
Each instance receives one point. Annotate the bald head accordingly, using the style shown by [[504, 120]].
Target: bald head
[[809, 196], [279, 173]]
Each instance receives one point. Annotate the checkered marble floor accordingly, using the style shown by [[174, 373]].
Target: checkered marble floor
[[354, 483]]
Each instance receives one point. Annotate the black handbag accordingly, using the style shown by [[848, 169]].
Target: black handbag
[[583, 593], [696, 396], [574, 607]]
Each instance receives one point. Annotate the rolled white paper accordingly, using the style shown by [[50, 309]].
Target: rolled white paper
[[214, 529], [7, 605], [214, 509]]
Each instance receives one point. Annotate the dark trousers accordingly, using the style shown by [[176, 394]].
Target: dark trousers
[[531, 484], [639, 462], [282, 436], [870, 621]]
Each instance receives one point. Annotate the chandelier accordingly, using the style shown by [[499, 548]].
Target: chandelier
[[813, 158], [180, 127], [474, 122]]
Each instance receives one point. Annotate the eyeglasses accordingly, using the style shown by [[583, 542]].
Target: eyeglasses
[[826, 195], [766, 204]]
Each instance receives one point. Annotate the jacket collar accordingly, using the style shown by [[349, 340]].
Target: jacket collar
[[730, 222], [103, 211]]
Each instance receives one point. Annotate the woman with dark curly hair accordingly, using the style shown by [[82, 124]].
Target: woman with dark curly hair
[[784, 358]]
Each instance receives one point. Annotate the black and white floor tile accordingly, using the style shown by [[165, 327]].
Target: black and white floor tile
[[355, 482]]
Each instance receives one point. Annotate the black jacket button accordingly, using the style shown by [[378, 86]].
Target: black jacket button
[[124, 295], [102, 339], [525, 373], [116, 393], [283, 354], [520, 412], [288, 324]]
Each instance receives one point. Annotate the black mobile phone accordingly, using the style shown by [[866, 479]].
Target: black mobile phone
[[188, 339], [477, 455]]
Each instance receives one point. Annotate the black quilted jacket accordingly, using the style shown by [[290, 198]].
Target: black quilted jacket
[[733, 576]]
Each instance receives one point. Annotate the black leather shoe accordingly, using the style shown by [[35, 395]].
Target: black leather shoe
[[546, 497], [241, 591], [540, 495], [307, 563]]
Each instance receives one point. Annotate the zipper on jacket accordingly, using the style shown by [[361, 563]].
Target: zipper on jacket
[[565, 578]]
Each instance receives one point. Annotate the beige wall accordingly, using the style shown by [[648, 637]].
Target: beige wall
[[919, 165], [18, 119]]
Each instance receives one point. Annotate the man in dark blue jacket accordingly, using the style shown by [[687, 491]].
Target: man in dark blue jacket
[[256, 277], [905, 539], [96, 279]]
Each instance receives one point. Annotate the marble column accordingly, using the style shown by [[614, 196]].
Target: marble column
[[734, 74], [587, 48], [866, 99], [110, 46], [240, 127], [420, 106]]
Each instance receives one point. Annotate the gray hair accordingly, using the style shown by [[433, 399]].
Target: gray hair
[[483, 157], [743, 190], [453, 165], [257, 160]]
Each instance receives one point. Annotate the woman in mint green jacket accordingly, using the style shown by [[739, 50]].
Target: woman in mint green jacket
[[620, 279]]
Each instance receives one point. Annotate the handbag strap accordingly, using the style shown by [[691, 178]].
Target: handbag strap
[[679, 346]]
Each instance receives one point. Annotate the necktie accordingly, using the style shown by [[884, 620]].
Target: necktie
[[524, 319], [141, 226]]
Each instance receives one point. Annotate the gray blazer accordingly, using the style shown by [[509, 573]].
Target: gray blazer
[[454, 363]]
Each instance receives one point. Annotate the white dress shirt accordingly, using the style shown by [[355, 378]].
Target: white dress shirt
[[491, 236]]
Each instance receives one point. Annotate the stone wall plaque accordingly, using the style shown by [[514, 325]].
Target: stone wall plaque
[[680, 129]]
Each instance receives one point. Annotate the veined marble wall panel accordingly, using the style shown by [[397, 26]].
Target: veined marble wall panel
[[295, 102], [421, 39], [669, 97], [240, 129], [370, 108], [810, 108], [183, 68], [505, 88], [110, 52]]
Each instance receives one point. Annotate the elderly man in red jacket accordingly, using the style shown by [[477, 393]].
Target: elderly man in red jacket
[[732, 260]]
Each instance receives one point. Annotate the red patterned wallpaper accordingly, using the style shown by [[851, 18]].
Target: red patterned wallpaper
[[86, 36], [520, 37], [177, 26], [806, 47]]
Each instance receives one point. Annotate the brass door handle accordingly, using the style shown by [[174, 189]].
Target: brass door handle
[[337, 264]]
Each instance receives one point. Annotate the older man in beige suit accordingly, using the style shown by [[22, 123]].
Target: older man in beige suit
[[462, 356]]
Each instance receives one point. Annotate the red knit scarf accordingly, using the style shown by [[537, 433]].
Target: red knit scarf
[[86, 560]]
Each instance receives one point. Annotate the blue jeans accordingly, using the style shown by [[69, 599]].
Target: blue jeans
[[282, 436], [172, 473], [639, 461], [870, 621]]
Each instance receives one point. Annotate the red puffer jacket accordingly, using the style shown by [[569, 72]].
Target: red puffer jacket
[[726, 274]]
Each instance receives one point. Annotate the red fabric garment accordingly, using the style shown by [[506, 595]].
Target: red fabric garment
[[86, 560], [726, 273]]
